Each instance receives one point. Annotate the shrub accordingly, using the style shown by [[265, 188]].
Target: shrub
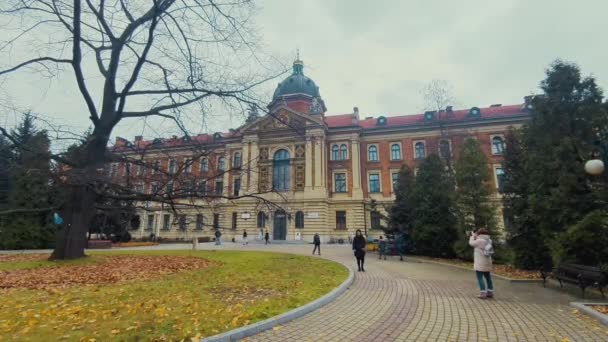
[[585, 242]]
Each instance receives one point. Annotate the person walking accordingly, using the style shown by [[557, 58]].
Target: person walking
[[359, 248], [482, 261], [317, 241], [267, 238], [245, 242], [218, 237]]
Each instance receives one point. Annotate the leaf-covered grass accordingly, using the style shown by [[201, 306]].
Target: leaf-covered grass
[[238, 288], [29, 261]]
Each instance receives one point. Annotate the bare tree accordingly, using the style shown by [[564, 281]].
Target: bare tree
[[163, 58], [437, 95]]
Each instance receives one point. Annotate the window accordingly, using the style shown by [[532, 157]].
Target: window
[[236, 160], [202, 188], [374, 182], [113, 170], [237, 186], [219, 187], [498, 145], [419, 150], [166, 221], [172, 166], [261, 219], [216, 221], [300, 220], [372, 153], [139, 188], [188, 165], [204, 165], [340, 182], [335, 152], [375, 219], [150, 225], [343, 152], [340, 219], [280, 171], [500, 175], [187, 188], [234, 220], [395, 180], [127, 169], [154, 188], [156, 167], [169, 188], [200, 222], [395, 152], [141, 170], [221, 163], [183, 223], [444, 149]]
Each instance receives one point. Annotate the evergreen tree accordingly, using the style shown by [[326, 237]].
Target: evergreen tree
[[434, 229], [6, 160], [548, 190], [29, 191], [476, 208], [401, 217]]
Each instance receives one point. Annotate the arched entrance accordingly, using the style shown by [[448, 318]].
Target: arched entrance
[[279, 231]]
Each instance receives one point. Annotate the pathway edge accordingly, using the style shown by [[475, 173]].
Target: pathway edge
[[583, 307], [252, 329]]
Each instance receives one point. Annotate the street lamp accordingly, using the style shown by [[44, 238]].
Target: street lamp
[[594, 167]]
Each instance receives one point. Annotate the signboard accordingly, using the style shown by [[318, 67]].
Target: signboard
[[298, 236], [313, 215], [246, 216]]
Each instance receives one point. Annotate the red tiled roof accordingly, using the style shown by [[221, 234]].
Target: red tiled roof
[[345, 120]]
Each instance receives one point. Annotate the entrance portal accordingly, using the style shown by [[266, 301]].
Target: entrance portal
[[280, 225]]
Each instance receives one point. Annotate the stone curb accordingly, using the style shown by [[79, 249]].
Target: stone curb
[[470, 269], [249, 330], [602, 318]]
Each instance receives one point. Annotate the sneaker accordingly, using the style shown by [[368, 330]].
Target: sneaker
[[482, 295], [490, 294]]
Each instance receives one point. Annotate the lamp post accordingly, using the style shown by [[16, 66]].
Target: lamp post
[[596, 166]]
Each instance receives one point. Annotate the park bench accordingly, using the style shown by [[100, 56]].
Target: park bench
[[99, 244], [388, 247], [581, 275]]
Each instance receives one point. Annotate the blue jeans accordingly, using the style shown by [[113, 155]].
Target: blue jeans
[[488, 280]]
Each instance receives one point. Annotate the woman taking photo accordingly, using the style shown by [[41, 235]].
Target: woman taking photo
[[359, 248], [482, 261]]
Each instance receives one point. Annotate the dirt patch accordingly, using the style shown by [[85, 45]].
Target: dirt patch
[[244, 295], [109, 270]]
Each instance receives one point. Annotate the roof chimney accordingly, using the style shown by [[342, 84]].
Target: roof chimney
[[139, 138], [448, 109], [496, 105], [369, 117], [356, 110]]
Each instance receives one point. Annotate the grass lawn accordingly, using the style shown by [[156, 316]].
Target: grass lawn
[[235, 289]]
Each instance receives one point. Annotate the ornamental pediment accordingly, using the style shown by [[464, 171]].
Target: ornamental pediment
[[281, 119]]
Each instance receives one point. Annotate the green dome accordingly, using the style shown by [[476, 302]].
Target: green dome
[[297, 83]]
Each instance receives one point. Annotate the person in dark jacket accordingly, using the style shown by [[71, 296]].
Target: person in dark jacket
[[359, 248], [267, 237], [245, 242], [317, 241]]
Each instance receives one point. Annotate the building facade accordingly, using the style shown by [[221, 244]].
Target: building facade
[[298, 171]]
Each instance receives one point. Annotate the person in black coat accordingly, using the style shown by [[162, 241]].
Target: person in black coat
[[317, 241], [359, 248], [267, 237]]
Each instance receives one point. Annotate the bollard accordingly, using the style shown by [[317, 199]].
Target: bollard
[[194, 243]]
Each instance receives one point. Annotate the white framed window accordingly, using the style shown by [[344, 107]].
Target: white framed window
[[372, 153], [395, 151], [498, 144], [499, 175], [188, 165], [445, 148], [236, 160], [373, 182], [221, 163], [335, 152], [204, 165], [419, 149], [343, 152], [340, 182], [394, 179], [156, 167], [172, 166]]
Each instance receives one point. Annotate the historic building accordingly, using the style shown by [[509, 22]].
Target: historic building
[[298, 170]]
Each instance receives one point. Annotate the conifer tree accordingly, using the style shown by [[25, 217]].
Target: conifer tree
[[434, 229], [476, 207], [401, 218]]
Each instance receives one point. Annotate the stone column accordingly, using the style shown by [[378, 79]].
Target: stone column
[[252, 168], [356, 167], [318, 162], [309, 165]]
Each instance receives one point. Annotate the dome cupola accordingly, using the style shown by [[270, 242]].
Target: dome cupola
[[296, 83]]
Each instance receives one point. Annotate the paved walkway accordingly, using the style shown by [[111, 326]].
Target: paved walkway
[[411, 301]]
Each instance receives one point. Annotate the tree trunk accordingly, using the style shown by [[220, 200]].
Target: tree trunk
[[80, 208]]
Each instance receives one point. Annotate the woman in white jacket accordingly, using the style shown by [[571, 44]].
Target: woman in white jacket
[[482, 262]]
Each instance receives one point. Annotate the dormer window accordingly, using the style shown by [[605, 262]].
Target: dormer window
[[474, 112], [381, 121], [429, 116]]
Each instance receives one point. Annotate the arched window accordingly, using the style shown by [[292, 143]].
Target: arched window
[[204, 165], [236, 160], [419, 150], [261, 219], [221, 163], [395, 152], [335, 153], [343, 152], [444, 149], [299, 219], [280, 171], [498, 145], [372, 153]]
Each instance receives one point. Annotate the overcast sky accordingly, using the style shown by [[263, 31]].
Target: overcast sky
[[377, 55]]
